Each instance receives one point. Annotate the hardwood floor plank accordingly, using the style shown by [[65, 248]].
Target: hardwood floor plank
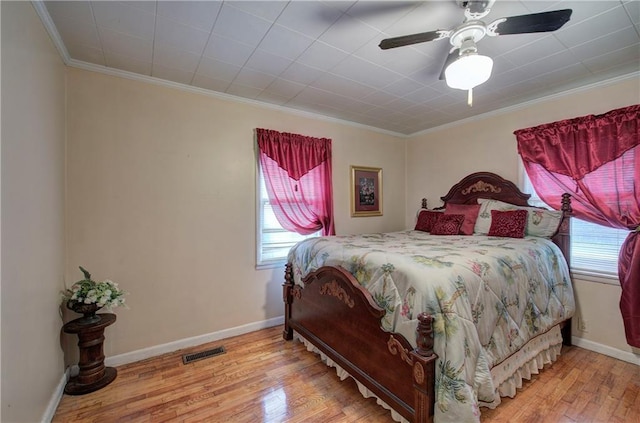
[[262, 378]]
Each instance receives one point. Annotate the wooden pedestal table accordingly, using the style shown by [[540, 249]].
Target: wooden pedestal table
[[93, 374]]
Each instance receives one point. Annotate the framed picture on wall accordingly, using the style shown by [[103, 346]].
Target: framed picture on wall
[[366, 191]]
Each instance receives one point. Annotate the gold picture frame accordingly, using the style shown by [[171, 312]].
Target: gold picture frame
[[366, 191]]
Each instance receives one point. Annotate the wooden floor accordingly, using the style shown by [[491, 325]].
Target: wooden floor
[[263, 378]]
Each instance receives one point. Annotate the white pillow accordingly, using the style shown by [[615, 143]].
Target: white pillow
[[540, 222]]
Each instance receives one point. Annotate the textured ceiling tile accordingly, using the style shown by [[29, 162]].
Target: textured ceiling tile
[[381, 14], [120, 17], [226, 50], [339, 85], [594, 27], [127, 63], [603, 45], [284, 42], [625, 58], [311, 19], [197, 14], [265, 9], [349, 34], [168, 56], [633, 10], [302, 74], [126, 45], [180, 36], [539, 49], [285, 88], [243, 91], [379, 98], [403, 87], [237, 25], [216, 69], [365, 72], [253, 78], [321, 56], [79, 11], [268, 63], [78, 32]]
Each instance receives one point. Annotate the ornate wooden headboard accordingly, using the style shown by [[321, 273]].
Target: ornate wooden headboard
[[493, 186], [485, 185]]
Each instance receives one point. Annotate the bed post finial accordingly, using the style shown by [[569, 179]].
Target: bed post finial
[[424, 370], [424, 203], [566, 203], [287, 297], [424, 334]]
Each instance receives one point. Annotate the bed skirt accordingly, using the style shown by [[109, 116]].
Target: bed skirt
[[507, 376]]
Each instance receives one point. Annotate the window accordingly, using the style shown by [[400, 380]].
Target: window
[[274, 242], [594, 248]]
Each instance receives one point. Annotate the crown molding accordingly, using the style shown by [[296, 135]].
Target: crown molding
[[223, 96], [529, 103], [43, 13]]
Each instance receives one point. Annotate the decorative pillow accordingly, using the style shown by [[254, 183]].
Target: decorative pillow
[[483, 222], [540, 222], [510, 223], [470, 212], [448, 224], [543, 223], [426, 219]]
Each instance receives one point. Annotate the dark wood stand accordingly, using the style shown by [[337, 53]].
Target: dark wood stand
[[93, 373]]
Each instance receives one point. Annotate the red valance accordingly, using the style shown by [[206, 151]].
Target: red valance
[[582, 147], [296, 154]]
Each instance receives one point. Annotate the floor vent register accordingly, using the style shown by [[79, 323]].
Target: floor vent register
[[190, 358]]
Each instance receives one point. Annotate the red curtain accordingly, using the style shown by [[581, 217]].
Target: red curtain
[[597, 159], [297, 174]]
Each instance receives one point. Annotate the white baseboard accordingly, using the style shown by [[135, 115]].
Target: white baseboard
[[55, 399], [627, 356], [144, 353], [133, 356]]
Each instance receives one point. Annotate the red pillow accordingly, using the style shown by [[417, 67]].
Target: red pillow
[[510, 223], [447, 224], [426, 219], [470, 212]]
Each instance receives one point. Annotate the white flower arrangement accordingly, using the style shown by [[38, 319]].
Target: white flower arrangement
[[87, 291]]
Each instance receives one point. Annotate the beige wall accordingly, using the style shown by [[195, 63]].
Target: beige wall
[[438, 159], [161, 199], [33, 93]]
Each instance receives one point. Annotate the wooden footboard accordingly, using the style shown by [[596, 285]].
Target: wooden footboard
[[341, 319]]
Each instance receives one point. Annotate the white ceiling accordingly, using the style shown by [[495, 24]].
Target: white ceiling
[[323, 56]]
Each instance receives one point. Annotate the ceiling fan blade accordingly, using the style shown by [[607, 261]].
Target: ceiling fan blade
[[406, 40], [535, 22], [453, 55]]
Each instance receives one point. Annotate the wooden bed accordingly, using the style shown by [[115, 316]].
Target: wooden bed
[[341, 319]]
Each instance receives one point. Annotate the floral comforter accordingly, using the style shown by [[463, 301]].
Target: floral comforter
[[488, 295]]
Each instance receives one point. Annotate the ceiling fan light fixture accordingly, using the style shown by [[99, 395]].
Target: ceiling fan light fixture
[[468, 71]]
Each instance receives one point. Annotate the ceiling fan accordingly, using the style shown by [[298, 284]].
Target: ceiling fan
[[464, 68]]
